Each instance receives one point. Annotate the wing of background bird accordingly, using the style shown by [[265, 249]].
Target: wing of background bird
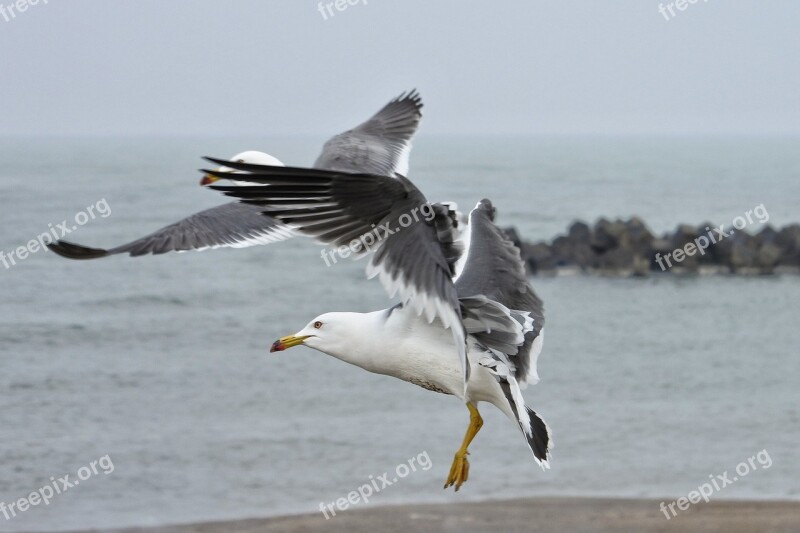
[[413, 242], [233, 225], [381, 145], [495, 269]]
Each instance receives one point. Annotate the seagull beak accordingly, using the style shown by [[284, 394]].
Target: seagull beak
[[287, 342], [208, 179]]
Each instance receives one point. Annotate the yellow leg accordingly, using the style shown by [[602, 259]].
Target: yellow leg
[[459, 472]]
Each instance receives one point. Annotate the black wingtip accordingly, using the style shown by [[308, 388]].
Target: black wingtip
[[76, 251], [412, 96], [216, 161], [236, 165]]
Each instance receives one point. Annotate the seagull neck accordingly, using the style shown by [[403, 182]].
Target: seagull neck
[[365, 342]]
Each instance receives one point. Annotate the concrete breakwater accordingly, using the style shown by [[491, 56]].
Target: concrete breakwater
[[629, 248]]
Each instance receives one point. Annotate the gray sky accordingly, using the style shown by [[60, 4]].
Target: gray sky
[[516, 66]]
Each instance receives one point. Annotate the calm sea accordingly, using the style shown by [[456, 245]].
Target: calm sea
[[162, 363]]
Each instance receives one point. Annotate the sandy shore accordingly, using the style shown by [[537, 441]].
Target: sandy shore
[[575, 515]]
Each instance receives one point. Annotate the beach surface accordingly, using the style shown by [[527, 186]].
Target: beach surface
[[575, 515]]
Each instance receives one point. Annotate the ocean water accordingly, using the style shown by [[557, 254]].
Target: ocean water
[[162, 363]]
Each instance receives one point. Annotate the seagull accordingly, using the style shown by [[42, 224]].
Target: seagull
[[380, 145], [494, 318]]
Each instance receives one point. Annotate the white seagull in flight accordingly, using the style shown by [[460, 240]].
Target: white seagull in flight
[[494, 318]]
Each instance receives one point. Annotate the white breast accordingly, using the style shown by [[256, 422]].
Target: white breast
[[424, 354]]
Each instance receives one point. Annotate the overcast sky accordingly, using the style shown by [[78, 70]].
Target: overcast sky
[[515, 66]]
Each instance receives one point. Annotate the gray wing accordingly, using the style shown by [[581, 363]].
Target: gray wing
[[413, 242], [381, 145], [233, 225], [495, 270]]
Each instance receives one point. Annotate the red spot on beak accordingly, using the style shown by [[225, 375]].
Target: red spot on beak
[[277, 346], [208, 180]]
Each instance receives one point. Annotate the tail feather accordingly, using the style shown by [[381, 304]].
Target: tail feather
[[534, 428], [538, 437]]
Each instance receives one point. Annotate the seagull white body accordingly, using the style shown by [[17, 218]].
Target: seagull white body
[[399, 343]]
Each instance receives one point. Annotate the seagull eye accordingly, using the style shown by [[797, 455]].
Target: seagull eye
[[317, 324], [240, 160]]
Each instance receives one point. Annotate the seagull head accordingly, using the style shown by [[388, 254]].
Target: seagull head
[[250, 156], [331, 333]]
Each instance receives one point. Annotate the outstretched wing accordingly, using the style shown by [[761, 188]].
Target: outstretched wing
[[233, 225], [381, 145], [495, 269], [413, 245]]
